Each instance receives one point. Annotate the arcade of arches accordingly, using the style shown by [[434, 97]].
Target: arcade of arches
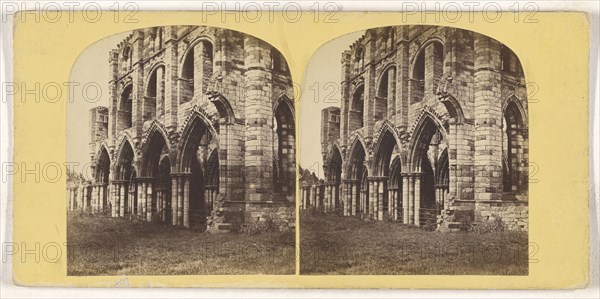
[[433, 130], [190, 139]]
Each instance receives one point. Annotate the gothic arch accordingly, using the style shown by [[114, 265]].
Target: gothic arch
[[154, 148], [197, 129], [125, 159], [102, 164], [357, 112], [421, 49], [284, 140], [519, 107], [190, 47], [385, 93], [125, 107], [224, 108], [154, 92], [454, 108], [383, 150], [334, 163], [156, 127], [289, 104], [357, 156], [426, 127]]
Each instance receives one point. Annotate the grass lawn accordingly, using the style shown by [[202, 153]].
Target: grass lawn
[[345, 245], [113, 246]]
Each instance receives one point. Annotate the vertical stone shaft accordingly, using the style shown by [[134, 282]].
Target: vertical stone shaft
[[123, 197], [179, 201], [488, 119], [149, 199], [418, 200], [411, 200], [174, 200], [186, 201]]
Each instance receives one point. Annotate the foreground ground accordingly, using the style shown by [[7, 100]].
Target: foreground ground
[[345, 245], [113, 246]]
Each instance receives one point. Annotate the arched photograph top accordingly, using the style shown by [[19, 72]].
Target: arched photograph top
[[424, 140], [193, 127]]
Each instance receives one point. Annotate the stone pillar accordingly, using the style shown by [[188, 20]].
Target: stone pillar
[[179, 201], [102, 199], [149, 199], [140, 202], [143, 199], [114, 193], [380, 197], [418, 199], [132, 196], [392, 203], [164, 196], [302, 198], [373, 202], [371, 198], [411, 199], [259, 119], [353, 198], [488, 119], [336, 197], [122, 199], [158, 195], [186, 201], [348, 199], [173, 195], [93, 199]]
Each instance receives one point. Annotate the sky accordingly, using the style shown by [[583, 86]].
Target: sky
[[321, 89], [91, 69]]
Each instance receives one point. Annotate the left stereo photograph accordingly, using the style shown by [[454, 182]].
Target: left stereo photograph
[[190, 142]]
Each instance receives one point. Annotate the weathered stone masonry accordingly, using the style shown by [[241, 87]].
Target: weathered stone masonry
[[432, 127], [200, 131]]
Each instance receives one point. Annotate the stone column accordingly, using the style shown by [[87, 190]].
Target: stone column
[[354, 198], [371, 198], [411, 199], [132, 196], [140, 201], [405, 200], [143, 199], [488, 119], [418, 199], [179, 201], [122, 199], [380, 197], [102, 196], [114, 193], [336, 198], [149, 190], [158, 195], [186, 201], [164, 198], [347, 198], [173, 195], [392, 203]]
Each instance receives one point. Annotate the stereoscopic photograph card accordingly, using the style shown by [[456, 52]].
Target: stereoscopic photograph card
[[360, 150]]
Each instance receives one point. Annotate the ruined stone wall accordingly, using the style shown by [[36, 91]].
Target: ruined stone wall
[[231, 86], [470, 86]]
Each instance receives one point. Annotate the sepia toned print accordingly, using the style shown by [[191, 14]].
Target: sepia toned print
[[198, 133], [424, 159]]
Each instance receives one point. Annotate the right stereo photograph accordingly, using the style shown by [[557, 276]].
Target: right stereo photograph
[[423, 160]]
